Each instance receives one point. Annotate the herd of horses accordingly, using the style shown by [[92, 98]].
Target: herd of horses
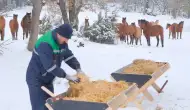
[[149, 29], [14, 26]]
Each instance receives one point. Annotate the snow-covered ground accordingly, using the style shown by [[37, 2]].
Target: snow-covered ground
[[98, 61]]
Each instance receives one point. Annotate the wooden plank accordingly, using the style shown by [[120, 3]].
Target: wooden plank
[[120, 99], [48, 91], [148, 95], [138, 105], [48, 106], [156, 87]]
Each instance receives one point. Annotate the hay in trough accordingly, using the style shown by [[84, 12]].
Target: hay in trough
[[141, 66], [94, 91]]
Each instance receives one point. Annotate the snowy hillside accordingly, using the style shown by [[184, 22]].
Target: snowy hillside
[[99, 60]]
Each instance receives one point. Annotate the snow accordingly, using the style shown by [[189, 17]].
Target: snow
[[98, 61]]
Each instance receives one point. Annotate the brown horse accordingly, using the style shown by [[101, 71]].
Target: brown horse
[[137, 35], [168, 26], [152, 31], [172, 29], [2, 27], [13, 24], [121, 30], [130, 32], [180, 29], [26, 24]]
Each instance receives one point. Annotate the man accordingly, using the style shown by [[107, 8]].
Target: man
[[45, 64]]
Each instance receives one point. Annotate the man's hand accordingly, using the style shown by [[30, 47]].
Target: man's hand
[[74, 79]]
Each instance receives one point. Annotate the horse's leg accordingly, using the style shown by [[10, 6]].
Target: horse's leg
[[177, 35], [136, 41], [130, 40], [149, 41], [23, 33], [157, 37], [162, 39], [3, 34], [169, 34], [140, 41], [17, 35], [27, 32], [127, 39], [12, 35], [181, 35]]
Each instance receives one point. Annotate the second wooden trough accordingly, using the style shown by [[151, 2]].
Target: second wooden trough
[[143, 81]]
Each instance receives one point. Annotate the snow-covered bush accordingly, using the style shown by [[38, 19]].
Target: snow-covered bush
[[102, 31], [45, 25]]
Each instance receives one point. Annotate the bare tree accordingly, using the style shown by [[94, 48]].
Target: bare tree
[[74, 7], [37, 7], [62, 5]]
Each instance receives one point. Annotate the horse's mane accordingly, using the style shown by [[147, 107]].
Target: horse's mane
[[144, 21], [168, 24], [181, 22], [133, 24]]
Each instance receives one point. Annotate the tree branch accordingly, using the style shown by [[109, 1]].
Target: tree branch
[[81, 4]]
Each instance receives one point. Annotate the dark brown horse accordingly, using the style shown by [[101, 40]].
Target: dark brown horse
[[13, 24], [26, 24], [2, 27], [180, 29], [152, 31]]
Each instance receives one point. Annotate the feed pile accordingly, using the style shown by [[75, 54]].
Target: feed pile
[[94, 91], [141, 66]]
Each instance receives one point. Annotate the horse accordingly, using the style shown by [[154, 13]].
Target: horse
[[86, 23], [2, 27], [168, 26], [26, 24], [152, 31], [180, 29], [172, 29], [130, 32], [13, 24], [120, 30], [137, 35]]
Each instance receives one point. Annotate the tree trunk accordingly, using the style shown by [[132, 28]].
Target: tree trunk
[[72, 12], [146, 6], [174, 13], [37, 7], [62, 6], [188, 13]]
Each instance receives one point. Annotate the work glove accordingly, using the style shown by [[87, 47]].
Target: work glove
[[79, 71], [74, 79]]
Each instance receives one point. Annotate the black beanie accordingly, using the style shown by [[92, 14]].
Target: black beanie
[[65, 30]]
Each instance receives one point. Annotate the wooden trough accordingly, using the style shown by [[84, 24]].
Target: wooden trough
[[142, 81], [58, 103]]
